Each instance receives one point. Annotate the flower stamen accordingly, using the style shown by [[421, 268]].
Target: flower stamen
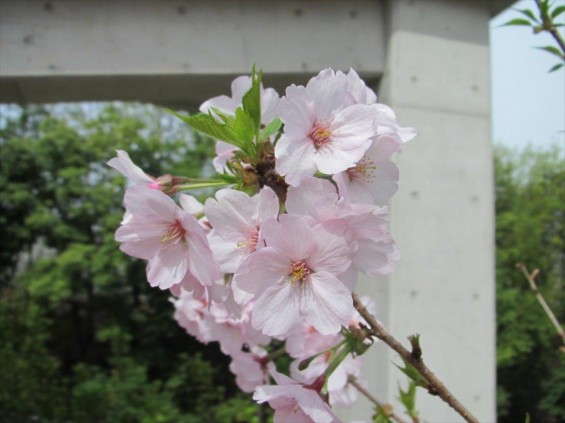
[[175, 233], [321, 134], [299, 272]]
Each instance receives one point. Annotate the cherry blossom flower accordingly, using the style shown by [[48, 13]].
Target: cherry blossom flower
[[294, 402], [385, 116], [374, 179], [236, 220], [294, 278], [191, 314], [136, 176], [251, 368], [170, 238], [233, 333], [324, 129], [363, 226]]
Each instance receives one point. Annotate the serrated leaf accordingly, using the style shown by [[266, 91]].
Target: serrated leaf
[[270, 129], [408, 399], [251, 101], [528, 13], [552, 50], [518, 21], [556, 67], [413, 374], [244, 126], [208, 125], [557, 11]]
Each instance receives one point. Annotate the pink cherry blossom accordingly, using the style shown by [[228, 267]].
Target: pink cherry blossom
[[251, 368], [126, 167], [339, 390], [324, 129], [168, 237], [304, 341], [294, 402], [385, 116], [234, 332], [294, 278], [191, 314], [374, 179], [236, 219], [363, 226]]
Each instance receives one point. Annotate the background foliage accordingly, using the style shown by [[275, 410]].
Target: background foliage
[[530, 228], [85, 339]]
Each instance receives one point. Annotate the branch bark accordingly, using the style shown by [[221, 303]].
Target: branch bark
[[435, 385], [531, 277], [386, 407]]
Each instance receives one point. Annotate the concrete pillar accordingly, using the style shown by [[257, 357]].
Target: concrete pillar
[[437, 80]]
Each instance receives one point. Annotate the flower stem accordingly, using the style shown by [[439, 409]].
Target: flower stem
[[387, 408], [202, 184], [434, 384]]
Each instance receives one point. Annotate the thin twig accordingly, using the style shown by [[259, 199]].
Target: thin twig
[[387, 408], [531, 277], [434, 384]]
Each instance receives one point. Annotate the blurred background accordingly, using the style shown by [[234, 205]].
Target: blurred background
[[83, 338]]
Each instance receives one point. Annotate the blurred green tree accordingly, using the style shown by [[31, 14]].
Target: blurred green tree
[[84, 337], [530, 228]]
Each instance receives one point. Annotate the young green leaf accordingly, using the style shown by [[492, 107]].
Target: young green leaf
[[528, 13], [381, 416], [552, 50], [208, 125], [270, 129], [556, 67], [557, 11], [408, 399], [413, 374], [251, 101], [518, 21]]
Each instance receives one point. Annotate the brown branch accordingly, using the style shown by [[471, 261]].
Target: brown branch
[[531, 277], [434, 384], [387, 408]]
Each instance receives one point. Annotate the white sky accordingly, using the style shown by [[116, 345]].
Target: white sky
[[528, 103]]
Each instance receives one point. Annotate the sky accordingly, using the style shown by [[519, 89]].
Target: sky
[[528, 103]]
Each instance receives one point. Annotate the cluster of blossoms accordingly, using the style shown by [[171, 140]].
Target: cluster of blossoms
[[272, 260]]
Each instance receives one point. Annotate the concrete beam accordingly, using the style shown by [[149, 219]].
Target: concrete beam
[[177, 52]]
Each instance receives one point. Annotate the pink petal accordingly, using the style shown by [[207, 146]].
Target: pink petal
[[277, 310], [328, 305], [168, 267]]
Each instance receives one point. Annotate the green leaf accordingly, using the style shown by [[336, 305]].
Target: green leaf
[[270, 129], [208, 125], [552, 50], [544, 7], [557, 11], [556, 67], [251, 101], [527, 418], [518, 21], [413, 374], [408, 399], [244, 127], [528, 13], [381, 416]]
